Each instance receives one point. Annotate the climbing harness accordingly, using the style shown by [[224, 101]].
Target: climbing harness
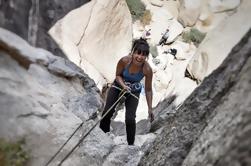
[[86, 134], [135, 87], [116, 87]]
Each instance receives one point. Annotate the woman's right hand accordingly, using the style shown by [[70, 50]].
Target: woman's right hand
[[127, 88], [150, 115]]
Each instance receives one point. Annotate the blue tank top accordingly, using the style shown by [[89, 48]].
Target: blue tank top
[[132, 78]]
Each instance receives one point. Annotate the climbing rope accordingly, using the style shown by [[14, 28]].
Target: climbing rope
[[63, 145], [84, 136], [114, 86]]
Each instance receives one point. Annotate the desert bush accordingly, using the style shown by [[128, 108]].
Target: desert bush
[[13, 154], [137, 8], [146, 18], [194, 35], [139, 12]]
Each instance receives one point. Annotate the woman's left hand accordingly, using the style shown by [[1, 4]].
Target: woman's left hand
[[150, 115]]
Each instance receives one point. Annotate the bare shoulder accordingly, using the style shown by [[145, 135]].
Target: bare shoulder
[[147, 69], [125, 60]]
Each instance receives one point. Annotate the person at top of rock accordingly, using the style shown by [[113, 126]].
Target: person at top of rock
[[130, 70], [164, 37]]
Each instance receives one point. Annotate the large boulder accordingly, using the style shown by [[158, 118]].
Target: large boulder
[[223, 5], [189, 12], [207, 12], [219, 42], [32, 19], [157, 3], [212, 127], [43, 99], [97, 41]]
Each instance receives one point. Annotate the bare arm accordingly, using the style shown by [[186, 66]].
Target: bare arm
[[120, 66], [148, 90]]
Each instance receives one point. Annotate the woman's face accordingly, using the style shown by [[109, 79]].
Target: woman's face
[[138, 58]]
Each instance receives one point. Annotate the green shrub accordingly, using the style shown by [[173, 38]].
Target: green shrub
[[12, 154], [194, 35], [154, 51], [136, 8]]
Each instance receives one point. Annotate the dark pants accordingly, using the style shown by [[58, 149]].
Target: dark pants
[[131, 104], [162, 41]]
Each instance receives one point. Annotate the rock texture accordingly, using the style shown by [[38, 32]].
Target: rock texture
[[32, 19], [223, 5], [43, 98], [100, 38], [205, 11], [189, 12], [168, 77], [214, 122], [162, 17], [219, 42]]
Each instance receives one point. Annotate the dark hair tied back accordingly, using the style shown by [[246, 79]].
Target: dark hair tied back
[[140, 46]]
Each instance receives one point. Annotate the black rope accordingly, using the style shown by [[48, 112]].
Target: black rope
[[52, 158], [79, 142], [63, 145]]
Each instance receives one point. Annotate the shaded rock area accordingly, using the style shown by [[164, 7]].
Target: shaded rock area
[[38, 98], [31, 19], [212, 127], [219, 42], [45, 98]]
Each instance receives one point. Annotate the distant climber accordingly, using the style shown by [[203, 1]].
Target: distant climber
[[164, 37], [130, 71]]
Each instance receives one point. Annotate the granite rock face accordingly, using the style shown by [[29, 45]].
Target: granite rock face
[[31, 19], [218, 43], [43, 99], [212, 127], [102, 37]]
